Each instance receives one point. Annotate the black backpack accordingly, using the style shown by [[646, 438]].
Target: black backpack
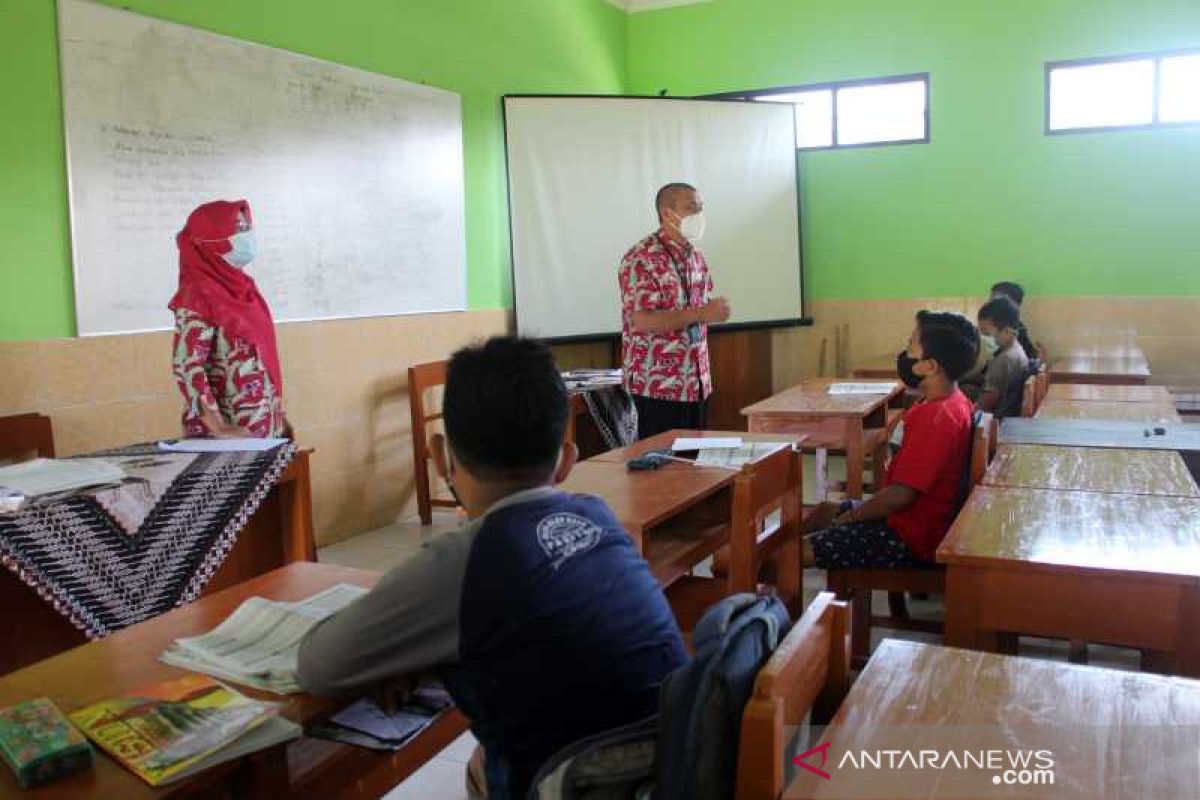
[[700, 714], [689, 751]]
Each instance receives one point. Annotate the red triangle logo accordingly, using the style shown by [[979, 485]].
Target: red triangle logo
[[823, 751]]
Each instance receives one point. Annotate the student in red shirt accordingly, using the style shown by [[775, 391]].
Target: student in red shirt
[[903, 524]]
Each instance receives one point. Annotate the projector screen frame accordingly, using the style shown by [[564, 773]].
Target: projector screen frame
[[804, 320]]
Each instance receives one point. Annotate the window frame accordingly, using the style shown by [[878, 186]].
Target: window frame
[[833, 86], [1155, 122]]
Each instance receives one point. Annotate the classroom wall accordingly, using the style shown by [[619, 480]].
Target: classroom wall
[[346, 381], [1092, 225]]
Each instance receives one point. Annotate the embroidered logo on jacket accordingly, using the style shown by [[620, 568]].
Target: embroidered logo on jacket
[[564, 536]]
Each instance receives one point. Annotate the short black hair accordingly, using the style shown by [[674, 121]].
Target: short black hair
[[1013, 291], [950, 339], [660, 197], [505, 409], [1002, 312]]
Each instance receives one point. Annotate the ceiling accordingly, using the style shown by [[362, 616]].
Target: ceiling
[[634, 6]]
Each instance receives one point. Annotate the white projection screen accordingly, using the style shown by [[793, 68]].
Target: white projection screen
[[582, 174]]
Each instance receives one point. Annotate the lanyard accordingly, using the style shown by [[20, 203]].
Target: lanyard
[[682, 270]]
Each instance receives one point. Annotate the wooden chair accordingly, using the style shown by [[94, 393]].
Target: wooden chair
[[772, 484], [857, 585], [808, 672], [1029, 402], [421, 379], [24, 435]]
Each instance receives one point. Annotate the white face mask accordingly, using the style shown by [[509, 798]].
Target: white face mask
[[989, 344], [692, 227]]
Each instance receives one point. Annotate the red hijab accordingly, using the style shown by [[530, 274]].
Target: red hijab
[[221, 294]]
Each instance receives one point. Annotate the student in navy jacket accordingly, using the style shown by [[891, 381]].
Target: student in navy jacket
[[540, 614]]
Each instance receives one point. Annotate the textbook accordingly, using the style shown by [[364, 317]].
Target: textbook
[[861, 388], [258, 644], [173, 730], [735, 458]]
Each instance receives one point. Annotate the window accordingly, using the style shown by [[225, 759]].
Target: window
[[855, 113], [1127, 92]]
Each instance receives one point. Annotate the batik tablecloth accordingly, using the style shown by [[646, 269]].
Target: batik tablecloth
[[109, 557]]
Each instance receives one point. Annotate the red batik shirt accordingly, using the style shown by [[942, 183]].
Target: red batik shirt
[[659, 274], [222, 373]]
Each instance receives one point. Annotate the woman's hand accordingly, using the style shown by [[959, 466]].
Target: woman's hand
[[218, 428]]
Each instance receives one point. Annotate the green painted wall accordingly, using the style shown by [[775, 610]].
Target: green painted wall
[[991, 197], [480, 48]]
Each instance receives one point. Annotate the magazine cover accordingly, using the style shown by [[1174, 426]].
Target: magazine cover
[[163, 730]]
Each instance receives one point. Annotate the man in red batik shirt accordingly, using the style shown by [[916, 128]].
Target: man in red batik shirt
[[666, 307]]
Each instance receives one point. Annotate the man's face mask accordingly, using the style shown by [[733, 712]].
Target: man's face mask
[[692, 227]]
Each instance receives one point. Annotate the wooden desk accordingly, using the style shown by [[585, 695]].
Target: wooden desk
[[678, 515], [1125, 350], [128, 660], [279, 533], [1091, 392], [1157, 472], [761, 488], [663, 441], [1099, 433], [1121, 371], [835, 422], [1108, 568], [1148, 413], [1107, 731]]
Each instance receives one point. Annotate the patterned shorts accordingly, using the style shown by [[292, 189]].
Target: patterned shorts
[[862, 545]]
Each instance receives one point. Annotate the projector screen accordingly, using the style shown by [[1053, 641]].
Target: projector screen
[[582, 174]]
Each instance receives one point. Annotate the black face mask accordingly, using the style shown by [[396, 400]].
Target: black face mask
[[904, 368]]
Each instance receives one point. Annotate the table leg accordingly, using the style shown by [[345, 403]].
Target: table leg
[[854, 458], [962, 611], [295, 508], [1189, 625], [821, 490]]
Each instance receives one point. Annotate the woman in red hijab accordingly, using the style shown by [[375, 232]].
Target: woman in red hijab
[[226, 361]]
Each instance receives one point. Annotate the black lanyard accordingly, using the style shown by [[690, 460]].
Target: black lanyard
[[682, 270]]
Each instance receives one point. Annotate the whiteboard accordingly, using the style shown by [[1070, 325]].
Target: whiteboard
[[355, 179], [583, 172]]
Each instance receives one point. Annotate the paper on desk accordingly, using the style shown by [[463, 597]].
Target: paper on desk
[[49, 475], [683, 445], [258, 644], [220, 445], [862, 388], [735, 458]]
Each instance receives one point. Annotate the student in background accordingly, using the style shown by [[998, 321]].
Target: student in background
[[666, 308], [999, 320], [903, 524], [225, 357], [1014, 292], [545, 622]]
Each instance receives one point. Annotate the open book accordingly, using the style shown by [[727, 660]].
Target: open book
[[734, 458], [875, 387], [258, 644], [172, 730], [49, 475]]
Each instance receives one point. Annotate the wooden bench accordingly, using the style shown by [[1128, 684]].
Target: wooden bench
[[807, 673], [856, 585]]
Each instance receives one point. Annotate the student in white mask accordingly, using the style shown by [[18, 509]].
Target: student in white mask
[[667, 304]]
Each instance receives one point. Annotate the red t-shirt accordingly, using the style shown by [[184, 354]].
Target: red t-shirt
[[932, 457]]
